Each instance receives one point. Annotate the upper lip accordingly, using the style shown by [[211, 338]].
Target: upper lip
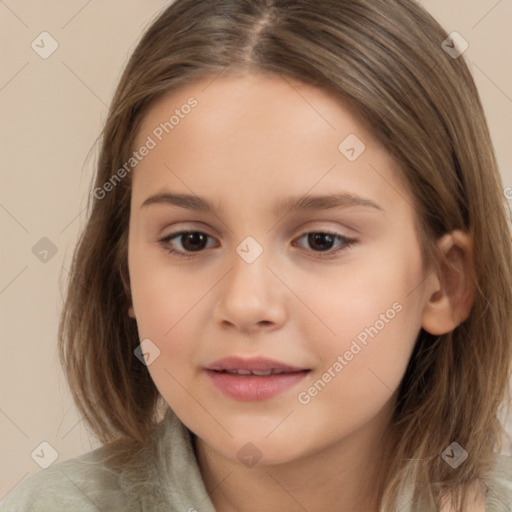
[[251, 364]]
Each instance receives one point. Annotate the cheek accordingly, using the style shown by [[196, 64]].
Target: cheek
[[369, 298], [172, 307], [376, 320], [167, 305], [375, 312], [360, 368], [361, 376], [162, 297]]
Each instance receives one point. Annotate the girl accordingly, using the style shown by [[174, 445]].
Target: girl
[[294, 288]]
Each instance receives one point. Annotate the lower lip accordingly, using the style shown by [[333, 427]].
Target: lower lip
[[254, 387]]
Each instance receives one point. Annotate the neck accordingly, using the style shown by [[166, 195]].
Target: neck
[[346, 477]]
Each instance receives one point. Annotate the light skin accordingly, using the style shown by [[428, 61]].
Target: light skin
[[252, 141]]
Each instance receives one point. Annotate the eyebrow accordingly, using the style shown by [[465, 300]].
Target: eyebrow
[[282, 208]]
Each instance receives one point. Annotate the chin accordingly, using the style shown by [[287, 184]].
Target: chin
[[262, 452]]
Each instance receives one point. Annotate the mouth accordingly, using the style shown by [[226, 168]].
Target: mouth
[[259, 373], [253, 365], [253, 379]]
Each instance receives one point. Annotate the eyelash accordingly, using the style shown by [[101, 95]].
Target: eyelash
[[346, 243]]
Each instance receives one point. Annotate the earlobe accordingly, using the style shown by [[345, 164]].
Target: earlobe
[[131, 312], [450, 287]]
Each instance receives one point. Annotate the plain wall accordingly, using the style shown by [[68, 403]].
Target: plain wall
[[51, 111]]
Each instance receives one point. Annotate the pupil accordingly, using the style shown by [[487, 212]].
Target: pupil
[[318, 238], [193, 238]]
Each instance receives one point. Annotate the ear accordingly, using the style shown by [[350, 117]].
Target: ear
[[131, 312], [450, 288]]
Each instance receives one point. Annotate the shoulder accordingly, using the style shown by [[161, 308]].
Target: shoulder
[[81, 483], [499, 483]]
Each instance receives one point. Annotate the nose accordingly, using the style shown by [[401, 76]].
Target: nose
[[250, 297]]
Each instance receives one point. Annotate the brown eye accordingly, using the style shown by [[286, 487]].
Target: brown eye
[[193, 241], [190, 242], [324, 242], [321, 241]]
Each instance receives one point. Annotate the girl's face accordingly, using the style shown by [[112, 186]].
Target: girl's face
[[330, 293]]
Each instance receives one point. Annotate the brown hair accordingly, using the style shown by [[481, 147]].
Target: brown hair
[[385, 58]]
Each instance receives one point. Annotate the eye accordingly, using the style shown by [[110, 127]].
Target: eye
[[323, 242], [196, 241], [190, 241]]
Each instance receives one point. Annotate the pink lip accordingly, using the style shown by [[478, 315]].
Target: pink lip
[[253, 363], [253, 387]]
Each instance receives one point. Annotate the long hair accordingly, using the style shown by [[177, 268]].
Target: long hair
[[386, 58]]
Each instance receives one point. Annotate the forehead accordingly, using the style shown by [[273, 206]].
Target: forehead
[[228, 96], [257, 133]]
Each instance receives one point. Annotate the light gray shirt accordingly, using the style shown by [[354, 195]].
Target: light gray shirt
[[167, 478]]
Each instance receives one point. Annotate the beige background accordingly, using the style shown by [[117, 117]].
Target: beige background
[[51, 111]]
